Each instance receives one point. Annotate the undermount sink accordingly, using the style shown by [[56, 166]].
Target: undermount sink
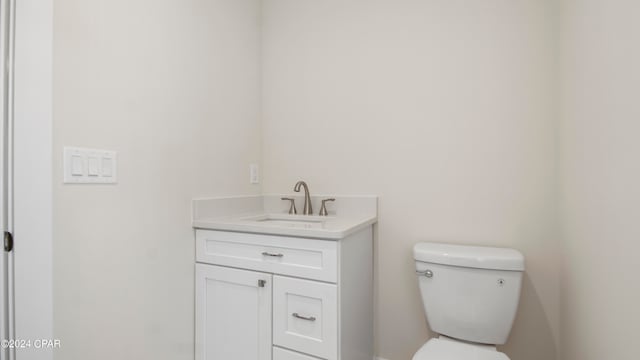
[[290, 221], [268, 214]]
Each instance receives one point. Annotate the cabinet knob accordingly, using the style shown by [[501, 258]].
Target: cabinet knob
[[262, 283]]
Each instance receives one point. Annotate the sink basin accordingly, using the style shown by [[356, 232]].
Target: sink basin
[[289, 221], [267, 214]]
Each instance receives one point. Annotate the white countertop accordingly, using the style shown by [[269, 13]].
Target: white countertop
[[267, 214]]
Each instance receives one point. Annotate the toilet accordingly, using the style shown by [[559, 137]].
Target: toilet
[[470, 296]]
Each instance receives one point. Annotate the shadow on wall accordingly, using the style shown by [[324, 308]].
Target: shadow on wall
[[531, 319]]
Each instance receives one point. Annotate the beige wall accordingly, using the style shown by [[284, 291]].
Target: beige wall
[[445, 109], [173, 87], [601, 173], [442, 108]]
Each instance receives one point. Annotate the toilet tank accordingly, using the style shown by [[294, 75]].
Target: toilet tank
[[469, 293]]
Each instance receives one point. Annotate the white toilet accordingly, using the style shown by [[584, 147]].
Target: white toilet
[[470, 297]]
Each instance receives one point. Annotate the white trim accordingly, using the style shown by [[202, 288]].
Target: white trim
[[7, 40], [33, 192]]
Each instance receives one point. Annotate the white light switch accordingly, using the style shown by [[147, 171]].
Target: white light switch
[[91, 166], [107, 166], [76, 165]]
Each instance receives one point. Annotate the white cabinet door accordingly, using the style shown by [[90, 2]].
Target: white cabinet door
[[283, 354], [305, 316], [233, 314]]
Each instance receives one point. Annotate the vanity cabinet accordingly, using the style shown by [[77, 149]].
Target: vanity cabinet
[[269, 297]]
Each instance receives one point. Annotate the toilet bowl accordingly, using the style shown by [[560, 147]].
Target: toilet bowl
[[443, 348], [470, 296]]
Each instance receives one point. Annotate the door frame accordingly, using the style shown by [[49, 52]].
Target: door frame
[[33, 177]]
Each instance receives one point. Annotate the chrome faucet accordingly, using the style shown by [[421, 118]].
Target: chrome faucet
[[307, 210]]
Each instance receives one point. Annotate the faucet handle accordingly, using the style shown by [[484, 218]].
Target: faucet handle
[[292, 207], [323, 208]]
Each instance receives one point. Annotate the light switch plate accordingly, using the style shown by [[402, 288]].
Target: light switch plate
[[89, 166]]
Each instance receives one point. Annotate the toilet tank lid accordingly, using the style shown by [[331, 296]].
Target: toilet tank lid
[[479, 257]]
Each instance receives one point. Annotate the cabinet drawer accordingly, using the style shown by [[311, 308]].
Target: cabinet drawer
[[305, 316], [283, 354], [306, 258]]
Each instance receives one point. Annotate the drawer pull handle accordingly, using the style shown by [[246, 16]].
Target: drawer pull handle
[[271, 254], [298, 316]]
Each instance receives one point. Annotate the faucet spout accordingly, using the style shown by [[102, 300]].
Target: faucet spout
[[307, 210]]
